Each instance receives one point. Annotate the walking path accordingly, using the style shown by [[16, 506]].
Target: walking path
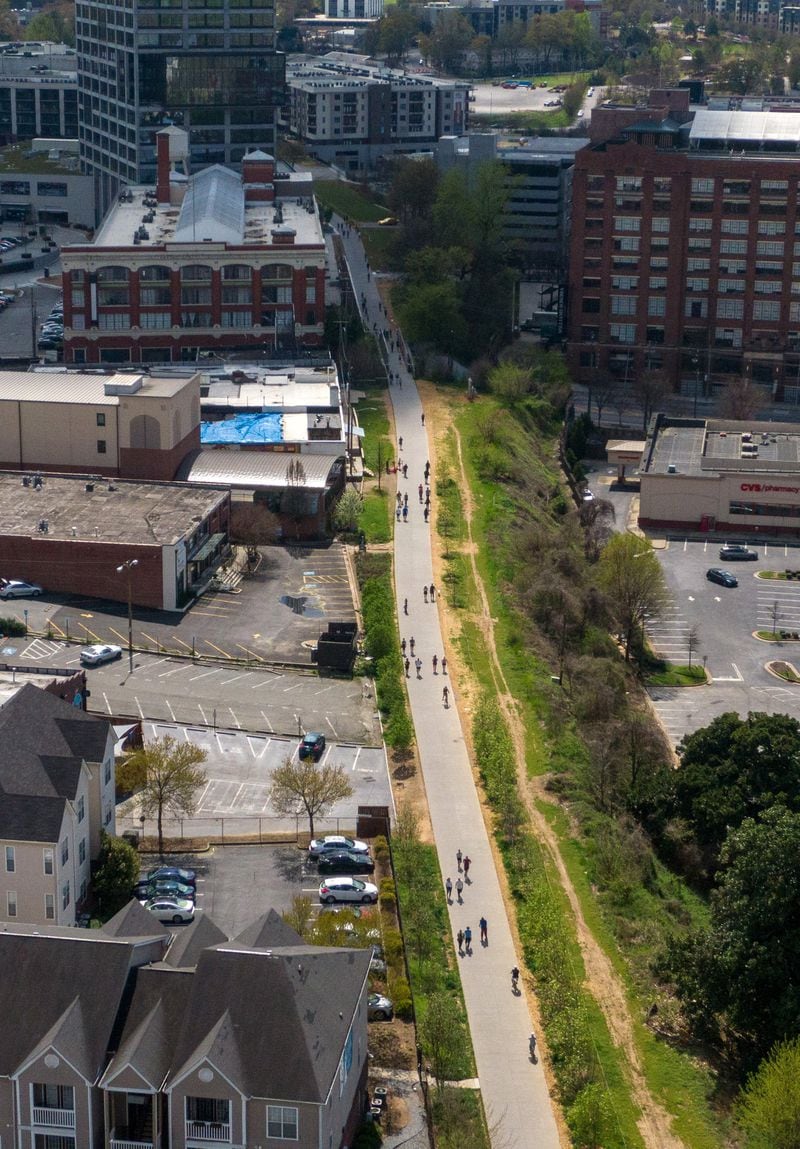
[[514, 1090]]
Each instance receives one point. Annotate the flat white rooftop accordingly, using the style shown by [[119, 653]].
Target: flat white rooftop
[[75, 387]]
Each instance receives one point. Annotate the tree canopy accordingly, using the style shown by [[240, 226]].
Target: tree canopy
[[166, 776], [631, 576], [769, 1107], [301, 784]]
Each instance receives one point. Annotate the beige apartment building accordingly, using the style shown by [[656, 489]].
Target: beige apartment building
[[56, 797], [133, 425]]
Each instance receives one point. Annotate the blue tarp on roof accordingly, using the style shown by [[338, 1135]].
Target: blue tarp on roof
[[261, 428]]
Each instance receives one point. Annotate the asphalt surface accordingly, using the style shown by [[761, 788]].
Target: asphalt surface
[[725, 620], [514, 1091]]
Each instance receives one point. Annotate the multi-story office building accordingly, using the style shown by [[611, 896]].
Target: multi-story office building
[[222, 261], [38, 93], [356, 115], [353, 9], [208, 66], [685, 249]]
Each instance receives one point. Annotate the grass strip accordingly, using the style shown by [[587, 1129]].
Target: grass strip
[[348, 201], [374, 572]]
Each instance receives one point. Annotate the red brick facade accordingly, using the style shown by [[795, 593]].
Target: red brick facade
[[162, 464], [85, 568]]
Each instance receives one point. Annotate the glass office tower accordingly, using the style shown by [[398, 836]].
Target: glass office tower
[[208, 66]]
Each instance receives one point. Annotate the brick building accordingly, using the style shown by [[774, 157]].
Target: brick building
[[217, 262], [71, 534], [685, 250]]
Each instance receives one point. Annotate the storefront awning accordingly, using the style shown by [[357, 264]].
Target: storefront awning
[[208, 548]]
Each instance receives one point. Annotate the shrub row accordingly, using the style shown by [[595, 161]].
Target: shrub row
[[377, 604]]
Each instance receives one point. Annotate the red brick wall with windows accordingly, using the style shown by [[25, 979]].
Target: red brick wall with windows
[[69, 566]]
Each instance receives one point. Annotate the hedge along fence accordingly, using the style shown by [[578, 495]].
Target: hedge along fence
[[572, 1019], [380, 635]]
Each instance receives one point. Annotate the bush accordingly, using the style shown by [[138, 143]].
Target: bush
[[368, 1137], [401, 999], [386, 889], [392, 945], [380, 848], [11, 626]]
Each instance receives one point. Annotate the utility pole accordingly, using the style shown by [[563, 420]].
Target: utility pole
[[128, 567]]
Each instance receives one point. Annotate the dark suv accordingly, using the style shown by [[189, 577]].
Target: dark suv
[[312, 746], [724, 578], [737, 551]]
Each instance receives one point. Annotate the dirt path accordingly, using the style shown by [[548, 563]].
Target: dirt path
[[655, 1124]]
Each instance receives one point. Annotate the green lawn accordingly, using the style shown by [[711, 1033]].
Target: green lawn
[[677, 676], [376, 521], [378, 243], [349, 201], [530, 122]]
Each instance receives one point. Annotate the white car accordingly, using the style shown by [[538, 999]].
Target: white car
[[17, 588], [170, 909], [338, 842], [97, 654], [347, 890]]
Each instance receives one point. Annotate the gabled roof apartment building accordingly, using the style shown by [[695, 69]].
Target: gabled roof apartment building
[[131, 1037]]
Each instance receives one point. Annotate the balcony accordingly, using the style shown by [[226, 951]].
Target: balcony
[[209, 1132], [54, 1118], [122, 1139]]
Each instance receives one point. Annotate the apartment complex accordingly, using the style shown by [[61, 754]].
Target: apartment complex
[[685, 250], [56, 796], [138, 1037], [214, 262], [202, 65], [355, 115]]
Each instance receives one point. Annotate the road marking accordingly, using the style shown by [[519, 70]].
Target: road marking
[[186, 644], [355, 760], [237, 678], [250, 653], [265, 744], [171, 711], [138, 706], [289, 689], [737, 677], [270, 727], [235, 719], [200, 708], [224, 653], [333, 728], [108, 704], [205, 674], [175, 670], [267, 682]]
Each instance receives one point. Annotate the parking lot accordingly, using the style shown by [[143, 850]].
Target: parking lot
[[275, 614], [725, 619]]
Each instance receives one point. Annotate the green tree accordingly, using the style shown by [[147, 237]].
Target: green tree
[[739, 980], [56, 23], [166, 777], [631, 577], [768, 1109], [116, 873], [441, 1033], [510, 382], [451, 36], [348, 510], [305, 785], [734, 768], [432, 315], [413, 189], [397, 29]]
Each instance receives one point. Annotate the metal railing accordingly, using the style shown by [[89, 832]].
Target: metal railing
[[216, 1132], [54, 1118]]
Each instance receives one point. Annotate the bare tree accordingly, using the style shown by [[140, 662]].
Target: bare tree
[[743, 399], [692, 642], [597, 519], [294, 500], [253, 525], [302, 784], [166, 777], [649, 390], [603, 392]]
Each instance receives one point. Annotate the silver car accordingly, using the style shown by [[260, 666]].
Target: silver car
[[18, 588], [171, 909], [97, 654], [347, 890]]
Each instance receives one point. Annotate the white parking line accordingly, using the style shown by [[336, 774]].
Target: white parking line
[[333, 728], [296, 686], [236, 678], [205, 675], [235, 719], [108, 704], [175, 670], [171, 711], [263, 742], [138, 706], [269, 725], [355, 760], [200, 708], [736, 677]]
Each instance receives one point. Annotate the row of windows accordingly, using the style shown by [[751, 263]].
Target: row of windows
[[43, 188], [163, 320], [47, 852], [772, 510], [194, 273], [49, 904], [192, 296]]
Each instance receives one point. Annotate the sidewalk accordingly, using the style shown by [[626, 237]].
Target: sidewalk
[[514, 1090]]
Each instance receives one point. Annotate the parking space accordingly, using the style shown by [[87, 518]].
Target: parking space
[[275, 614], [725, 619], [239, 768]]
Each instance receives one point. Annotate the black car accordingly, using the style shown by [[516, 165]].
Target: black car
[[724, 578], [172, 874], [147, 891], [312, 746], [737, 552], [345, 862]]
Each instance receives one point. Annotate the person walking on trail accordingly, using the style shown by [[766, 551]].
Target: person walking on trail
[[459, 856], [460, 940], [468, 939], [423, 418], [515, 980], [426, 512], [418, 665], [427, 469], [397, 513], [407, 665], [403, 647], [444, 664], [411, 642], [400, 442], [433, 593], [405, 499], [449, 889], [459, 889], [532, 1047], [425, 593], [405, 513], [405, 470], [446, 698], [435, 663], [484, 928], [420, 492], [405, 606], [467, 864], [399, 498]]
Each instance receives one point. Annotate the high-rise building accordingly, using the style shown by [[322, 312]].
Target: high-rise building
[[208, 66]]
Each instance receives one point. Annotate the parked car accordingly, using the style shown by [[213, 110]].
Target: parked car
[[18, 588], [97, 654], [347, 890], [737, 552], [171, 909], [388, 221], [379, 1008], [345, 862], [172, 874], [377, 963], [724, 578], [312, 746], [150, 891], [319, 846]]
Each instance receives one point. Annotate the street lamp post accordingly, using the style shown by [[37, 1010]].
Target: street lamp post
[[128, 567], [696, 363]]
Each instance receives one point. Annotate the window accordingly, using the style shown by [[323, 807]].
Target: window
[[114, 321], [154, 296], [774, 185], [51, 188], [658, 262], [282, 1122], [623, 304], [78, 297], [629, 183], [658, 282], [106, 772], [657, 305], [625, 282], [11, 903], [627, 223], [311, 292], [276, 271], [100, 419], [771, 227], [78, 277], [65, 852], [15, 187], [155, 320], [696, 308], [696, 224], [237, 319], [769, 247], [738, 227], [698, 264], [48, 860], [65, 896], [730, 309], [697, 285], [209, 1110], [82, 851], [154, 274], [730, 286], [81, 808], [237, 294], [237, 271], [733, 247], [703, 185], [53, 1096], [49, 907], [590, 306], [11, 863], [794, 312], [626, 243], [195, 319], [195, 273], [622, 332], [728, 336], [697, 244], [769, 267], [660, 223], [662, 183], [768, 287], [197, 295], [763, 309]]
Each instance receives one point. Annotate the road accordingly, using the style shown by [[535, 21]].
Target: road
[[725, 619], [514, 1091]]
